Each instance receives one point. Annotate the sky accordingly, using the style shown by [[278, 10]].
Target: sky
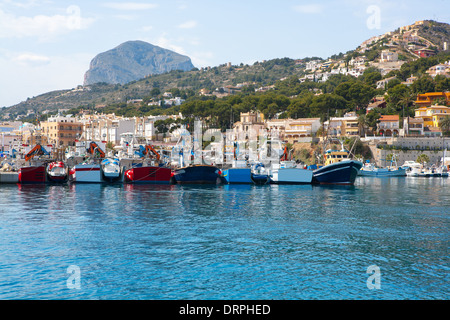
[[47, 45]]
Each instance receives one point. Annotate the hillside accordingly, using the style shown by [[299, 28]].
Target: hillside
[[405, 42], [133, 60], [101, 94]]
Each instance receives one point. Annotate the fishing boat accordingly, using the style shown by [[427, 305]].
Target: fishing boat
[[259, 174], [148, 174], [111, 169], [89, 171], [197, 174], [431, 172], [150, 171], [239, 172], [338, 169], [86, 172], [57, 171], [287, 172], [35, 172], [371, 170]]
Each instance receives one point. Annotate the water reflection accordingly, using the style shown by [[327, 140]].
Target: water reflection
[[227, 241]]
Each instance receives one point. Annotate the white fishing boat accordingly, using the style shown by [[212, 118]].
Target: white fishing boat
[[111, 169], [287, 172], [89, 171]]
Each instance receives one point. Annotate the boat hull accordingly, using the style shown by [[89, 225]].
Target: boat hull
[[341, 173], [57, 172], [260, 178], [33, 174], [199, 174], [148, 175], [382, 173], [111, 171], [86, 173], [237, 175], [291, 176]]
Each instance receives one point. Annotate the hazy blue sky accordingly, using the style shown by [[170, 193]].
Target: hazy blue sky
[[47, 45]]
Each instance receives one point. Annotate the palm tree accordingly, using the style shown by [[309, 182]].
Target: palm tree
[[362, 123], [422, 158], [405, 100], [444, 124]]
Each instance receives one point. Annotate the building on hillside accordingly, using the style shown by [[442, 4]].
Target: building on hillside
[[442, 69], [409, 81], [432, 132], [424, 53], [294, 130], [427, 99], [432, 115], [62, 131], [346, 126], [413, 126], [377, 102], [381, 84], [250, 123], [388, 56], [388, 125]]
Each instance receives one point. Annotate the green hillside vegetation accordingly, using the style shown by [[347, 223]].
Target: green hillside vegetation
[[289, 97]]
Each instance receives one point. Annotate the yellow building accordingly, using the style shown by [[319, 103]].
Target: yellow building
[[62, 131], [432, 115]]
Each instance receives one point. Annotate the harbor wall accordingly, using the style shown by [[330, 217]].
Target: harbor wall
[[402, 156], [409, 148]]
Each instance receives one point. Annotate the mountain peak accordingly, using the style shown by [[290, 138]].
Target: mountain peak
[[134, 60]]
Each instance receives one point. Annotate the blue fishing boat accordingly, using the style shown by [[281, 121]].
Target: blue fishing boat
[[238, 173], [338, 169], [370, 170], [197, 174], [259, 174]]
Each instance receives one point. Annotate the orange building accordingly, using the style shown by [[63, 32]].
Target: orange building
[[62, 131], [427, 99]]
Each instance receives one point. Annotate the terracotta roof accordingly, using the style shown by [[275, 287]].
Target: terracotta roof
[[389, 118]]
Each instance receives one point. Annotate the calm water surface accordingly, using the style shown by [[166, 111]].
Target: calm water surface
[[226, 242]]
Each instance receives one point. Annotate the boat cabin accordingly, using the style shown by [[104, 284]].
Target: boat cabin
[[333, 156]]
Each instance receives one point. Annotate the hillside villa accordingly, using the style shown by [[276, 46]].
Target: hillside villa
[[388, 125]]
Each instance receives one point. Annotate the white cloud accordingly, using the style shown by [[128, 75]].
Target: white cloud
[[188, 24], [130, 6], [202, 59], [166, 43], [42, 26], [30, 59], [146, 28], [309, 8], [31, 74], [24, 5]]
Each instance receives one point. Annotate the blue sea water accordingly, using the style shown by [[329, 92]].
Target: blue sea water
[[281, 242]]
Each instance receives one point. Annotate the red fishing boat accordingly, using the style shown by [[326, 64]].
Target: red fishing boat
[[149, 174], [33, 173], [57, 171]]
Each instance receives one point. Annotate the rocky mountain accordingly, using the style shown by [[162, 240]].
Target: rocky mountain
[[134, 60]]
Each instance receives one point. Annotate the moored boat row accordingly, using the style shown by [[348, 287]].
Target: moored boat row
[[109, 170]]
